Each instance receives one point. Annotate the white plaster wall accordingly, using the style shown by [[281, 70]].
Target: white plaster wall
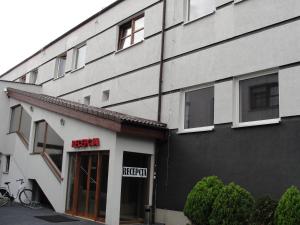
[[122, 62], [223, 112], [230, 21], [132, 86], [145, 108], [153, 20], [257, 52], [289, 94], [99, 24]]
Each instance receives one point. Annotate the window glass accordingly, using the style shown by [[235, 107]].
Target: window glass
[[200, 8], [139, 24], [54, 147], [131, 32], [15, 119], [87, 100], [139, 36], [80, 57], [259, 98], [25, 125], [39, 138], [33, 76], [199, 108], [61, 66], [7, 165]]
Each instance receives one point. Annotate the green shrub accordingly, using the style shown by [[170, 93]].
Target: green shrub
[[199, 202], [264, 211], [288, 209], [233, 206]]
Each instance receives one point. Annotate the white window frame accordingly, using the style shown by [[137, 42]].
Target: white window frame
[[183, 130], [57, 63], [35, 73], [75, 57], [236, 101], [187, 12]]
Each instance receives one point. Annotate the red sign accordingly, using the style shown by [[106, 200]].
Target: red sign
[[84, 143]]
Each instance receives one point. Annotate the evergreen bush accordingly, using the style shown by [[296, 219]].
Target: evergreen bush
[[199, 202], [288, 209], [233, 206]]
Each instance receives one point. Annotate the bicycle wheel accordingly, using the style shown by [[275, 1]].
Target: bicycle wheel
[[4, 192], [3, 201], [25, 197]]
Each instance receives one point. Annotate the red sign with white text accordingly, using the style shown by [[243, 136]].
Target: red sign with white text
[[84, 143]]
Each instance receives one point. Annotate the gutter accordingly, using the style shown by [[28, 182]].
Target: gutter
[[160, 85]]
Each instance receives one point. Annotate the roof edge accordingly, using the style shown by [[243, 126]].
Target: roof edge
[[64, 35]]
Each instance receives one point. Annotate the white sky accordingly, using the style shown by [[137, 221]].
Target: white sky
[[28, 25]]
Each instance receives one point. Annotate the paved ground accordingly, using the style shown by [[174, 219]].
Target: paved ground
[[18, 215]]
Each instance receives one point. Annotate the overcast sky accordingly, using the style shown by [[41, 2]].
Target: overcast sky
[[28, 25]]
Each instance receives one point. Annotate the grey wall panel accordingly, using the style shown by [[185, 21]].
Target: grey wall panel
[[264, 160]]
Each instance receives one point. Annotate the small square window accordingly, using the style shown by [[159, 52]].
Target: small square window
[[105, 96], [199, 8], [79, 60], [87, 100], [199, 108], [33, 76], [60, 65], [259, 98], [131, 32], [7, 163]]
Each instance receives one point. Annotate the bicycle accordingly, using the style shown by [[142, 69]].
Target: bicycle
[[25, 196]]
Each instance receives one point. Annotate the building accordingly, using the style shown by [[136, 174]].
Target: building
[[137, 103]]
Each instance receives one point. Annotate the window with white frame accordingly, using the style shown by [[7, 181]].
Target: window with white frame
[[79, 59], [199, 108], [60, 65], [199, 8], [33, 76], [259, 98]]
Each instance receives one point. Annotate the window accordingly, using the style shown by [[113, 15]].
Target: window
[[7, 163], [20, 123], [22, 79], [131, 32], [105, 96], [199, 8], [49, 142], [199, 108], [259, 98], [60, 66], [80, 53], [33, 76], [87, 100]]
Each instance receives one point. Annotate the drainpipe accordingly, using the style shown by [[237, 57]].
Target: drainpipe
[[161, 66], [161, 71]]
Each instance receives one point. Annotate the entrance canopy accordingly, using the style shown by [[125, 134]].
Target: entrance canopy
[[118, 122]]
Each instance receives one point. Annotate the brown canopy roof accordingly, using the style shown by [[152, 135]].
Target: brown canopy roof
[[115, 121]]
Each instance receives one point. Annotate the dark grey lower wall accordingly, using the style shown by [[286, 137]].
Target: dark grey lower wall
[[264, 159]]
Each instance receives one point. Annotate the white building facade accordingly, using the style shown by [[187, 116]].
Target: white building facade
[[137, 103]]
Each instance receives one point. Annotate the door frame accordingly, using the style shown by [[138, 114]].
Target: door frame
[[75, 195]]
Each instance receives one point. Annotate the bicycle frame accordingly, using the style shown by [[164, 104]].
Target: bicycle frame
[[21, 187]]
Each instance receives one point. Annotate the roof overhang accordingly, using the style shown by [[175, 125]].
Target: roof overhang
[[69, 109]]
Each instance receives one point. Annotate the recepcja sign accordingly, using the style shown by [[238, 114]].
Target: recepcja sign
[[135, 172], [84, 143]]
